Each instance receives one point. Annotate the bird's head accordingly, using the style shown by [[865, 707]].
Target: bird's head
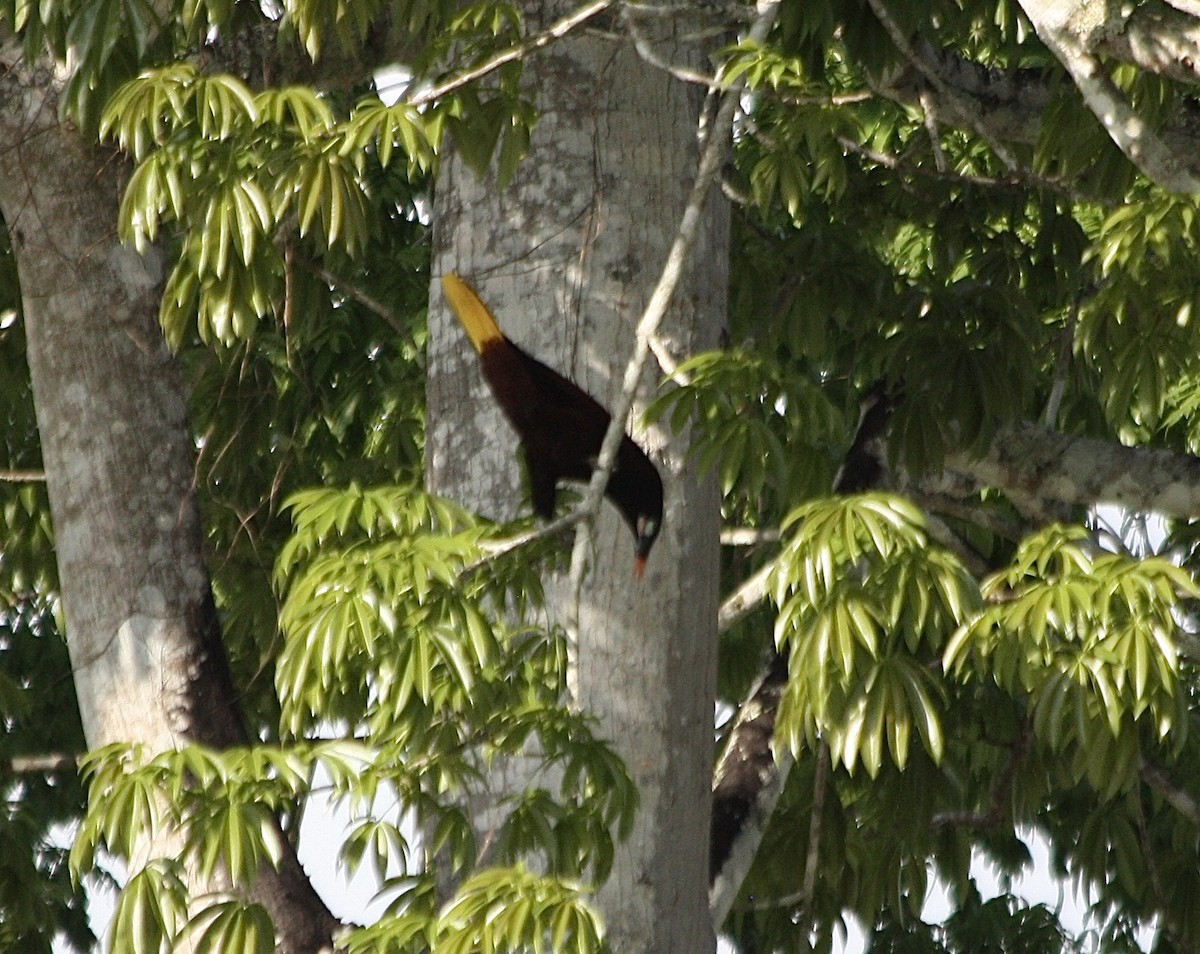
[[646, 529], [637, 490]]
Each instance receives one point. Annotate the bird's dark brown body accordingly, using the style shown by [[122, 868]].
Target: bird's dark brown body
[[560, 425]]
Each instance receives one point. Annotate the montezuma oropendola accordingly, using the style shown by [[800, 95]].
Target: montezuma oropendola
[[560, 425]]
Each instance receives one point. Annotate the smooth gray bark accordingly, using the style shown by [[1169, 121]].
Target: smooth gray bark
[[141, 627]]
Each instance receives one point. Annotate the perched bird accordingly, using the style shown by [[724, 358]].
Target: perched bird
[[560, 425]]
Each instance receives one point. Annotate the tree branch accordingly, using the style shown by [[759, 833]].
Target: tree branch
[[1062, 31], [711, 157], [749, 779], [751, 774], [1166, 42], [53, 763], [1190, 7], [1183, 802], [1038, 467], [555, 31], [745, 598], [933, 76], [645, 49], [1156, 883], [820, 786], [748, 536]]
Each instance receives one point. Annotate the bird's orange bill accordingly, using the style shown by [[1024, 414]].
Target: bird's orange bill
[[639, 566], [476, 318]]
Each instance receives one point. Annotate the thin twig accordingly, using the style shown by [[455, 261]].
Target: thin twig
[[1062, 368], [647, 52], [370, 302], [497, 548], [711, 158], [667, 361], [555, 31]]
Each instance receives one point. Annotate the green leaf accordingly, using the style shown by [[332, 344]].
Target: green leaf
[[504, 909], [222, 104], [232, 925], [151, 910]]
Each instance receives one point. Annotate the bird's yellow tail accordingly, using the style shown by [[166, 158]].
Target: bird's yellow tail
[[476, 318]]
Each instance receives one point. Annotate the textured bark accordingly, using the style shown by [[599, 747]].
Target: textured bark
[[566, 256], [1078, 32], [1037, 467], [142, 631], [746, 788], [1158, 40]]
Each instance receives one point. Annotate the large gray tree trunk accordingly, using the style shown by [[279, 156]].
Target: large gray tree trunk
[[567, 255], [142, 631]]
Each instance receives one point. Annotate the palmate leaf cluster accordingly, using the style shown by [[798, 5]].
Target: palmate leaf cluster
[[951, 677], [944, 696], [392, 640], [1095, 653], [931, 716], [292, 221], [865, 602], [228, 167]]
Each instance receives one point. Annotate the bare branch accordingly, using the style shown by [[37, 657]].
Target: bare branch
[[555, 31], [1022, 178], [940, 531], [667, 361], [747, 783], [749, 536], [1166, 42], [497, 548], [53, 763], [929, 115], [1183, 802], [1036, 467], [752, 773], [1062, 368], [972, 512], [23, 476], [816, 817], [1190, 7], [1171, 168], [1156, 883], [742, 602], [934, 77], [647, 52]]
